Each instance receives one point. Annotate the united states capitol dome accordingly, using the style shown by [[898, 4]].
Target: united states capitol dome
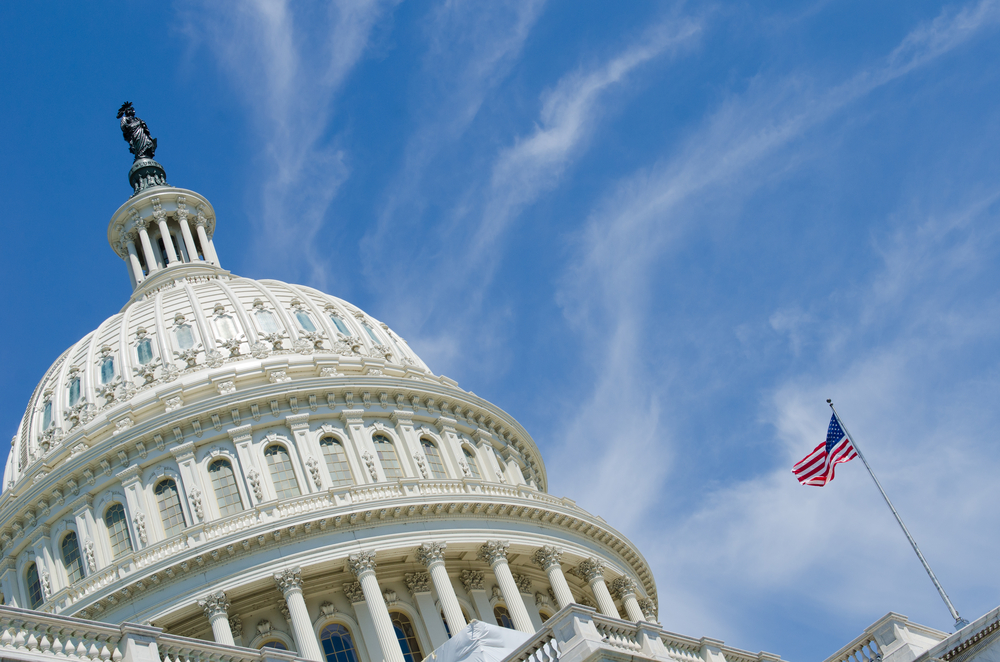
[[264, 465]]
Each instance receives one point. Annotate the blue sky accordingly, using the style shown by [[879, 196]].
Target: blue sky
[[659, 234]]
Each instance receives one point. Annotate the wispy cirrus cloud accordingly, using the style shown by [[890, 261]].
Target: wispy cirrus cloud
[[289, 60], [607, 292]]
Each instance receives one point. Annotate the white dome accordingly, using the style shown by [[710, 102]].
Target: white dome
[[188, 330]]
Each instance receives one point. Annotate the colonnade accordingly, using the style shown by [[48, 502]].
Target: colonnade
[[141, 231], [373, 614]]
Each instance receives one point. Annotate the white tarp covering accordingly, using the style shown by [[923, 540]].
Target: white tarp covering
[[479, 642]]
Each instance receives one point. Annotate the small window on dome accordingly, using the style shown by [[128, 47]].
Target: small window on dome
[[268, 324], [185, 337], [107, 369], [47, 415], [371, 334], [339, 323], [470, 459], [35, 597], [74, 391], [224, 327], [305, 321], [144, 350]]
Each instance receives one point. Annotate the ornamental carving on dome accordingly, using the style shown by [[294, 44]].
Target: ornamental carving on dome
[[361, 562], [431, 553], [494, 551], [622, 586], [418, 582]]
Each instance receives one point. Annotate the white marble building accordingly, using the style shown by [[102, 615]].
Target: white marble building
[[264, 466]]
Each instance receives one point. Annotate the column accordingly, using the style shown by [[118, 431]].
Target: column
[[547, 558], [216, 607], [472, 580], [494, 552], [206, 244], [419, 584], [527, 597], [362, 566], [625, 589], [133, 260], [129, 478], [168, 243], [192, 250], [83, 515], [190, 487], [592, 570], [147, 248], [289, 582], [369, 636], [431, 554]]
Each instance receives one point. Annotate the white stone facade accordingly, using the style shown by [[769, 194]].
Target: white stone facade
[[262, 464]]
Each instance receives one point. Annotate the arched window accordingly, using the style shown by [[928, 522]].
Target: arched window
[[339, 323], [170, 507], [268, 324], [503, 617], [470, 459], [35, 597], [224, 483], [71, 557], [47, 415], [144, 351], [114, 519], [305, 321], [185, 337], [336, 461], [224, 327], [371, 334], [276, 645], [282, 474], [338, 646], [406, 636], [107, 369], [433, 456], [387, 456], [74, 391]]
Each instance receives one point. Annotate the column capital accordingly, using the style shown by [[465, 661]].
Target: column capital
[[622, 586], [353, 592], [523, 583], [472, 580], [590, 569], [431, 552], [361, 562], [215, 604], [418, 582], [648, 608], [494, 551], [546, 557], [289, 579]]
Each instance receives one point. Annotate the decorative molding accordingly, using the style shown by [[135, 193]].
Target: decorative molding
[[622, 586], [494, 551], [215, 604], [546, 557], [418, 582], [289, 579], [313, 467], [431, 552], [353, 592], [361, 562], [472, 580], [523, 583], [370, 463], [590, 570]]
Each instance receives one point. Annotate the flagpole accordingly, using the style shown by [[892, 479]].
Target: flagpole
[[959, 621]]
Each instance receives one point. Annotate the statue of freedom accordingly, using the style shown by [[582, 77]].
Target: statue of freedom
[[136, 133]]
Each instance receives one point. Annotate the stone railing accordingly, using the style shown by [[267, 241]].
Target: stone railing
[[33, 636], [579, 634], [891, 638]]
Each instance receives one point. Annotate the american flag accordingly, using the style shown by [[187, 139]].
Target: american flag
[[817, 467]]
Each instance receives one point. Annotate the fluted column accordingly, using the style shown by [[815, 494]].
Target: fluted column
[[362, 566], [133, 260], [625, 589], [419, 584], [431, 554], [494, 552], [182, 220], [547, 558], [208, 249], [216, 607], [289, 582], [168, 244], [592, 571], [147, 248]]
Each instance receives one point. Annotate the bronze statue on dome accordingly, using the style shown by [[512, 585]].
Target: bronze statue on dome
[[136, 133]]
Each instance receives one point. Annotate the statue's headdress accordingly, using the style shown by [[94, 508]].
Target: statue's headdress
[[127, 106]]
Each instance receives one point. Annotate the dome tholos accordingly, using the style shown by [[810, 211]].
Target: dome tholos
[[263, 464]]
